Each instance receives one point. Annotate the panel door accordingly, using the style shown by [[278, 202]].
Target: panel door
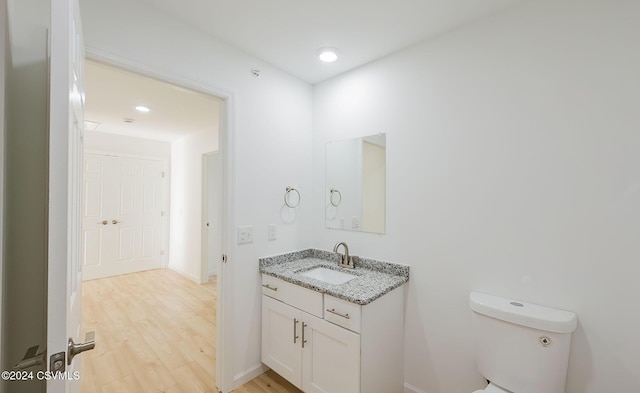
[[122, 220], [281, 339], [66, 119], [330, 358], [213, 203]]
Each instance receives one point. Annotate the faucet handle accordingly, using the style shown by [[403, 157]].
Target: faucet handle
[[347, 261]]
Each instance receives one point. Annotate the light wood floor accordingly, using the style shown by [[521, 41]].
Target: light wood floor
[[155, 332]]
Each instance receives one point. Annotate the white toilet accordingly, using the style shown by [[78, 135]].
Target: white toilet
[[521, 347]]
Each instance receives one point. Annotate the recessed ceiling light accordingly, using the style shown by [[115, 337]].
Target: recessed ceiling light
[[141, 108], [328, 54]]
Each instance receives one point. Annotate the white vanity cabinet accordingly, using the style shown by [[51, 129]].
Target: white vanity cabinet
[[323, 344]]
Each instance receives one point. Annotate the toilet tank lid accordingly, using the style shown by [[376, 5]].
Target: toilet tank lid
[[525, 314]]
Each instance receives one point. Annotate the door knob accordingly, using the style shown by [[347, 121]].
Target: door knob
[[116, 222], [76, 349], [32, 357], [103, 222]]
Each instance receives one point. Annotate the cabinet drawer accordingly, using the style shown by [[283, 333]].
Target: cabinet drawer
[[294, 295], [342, 312]]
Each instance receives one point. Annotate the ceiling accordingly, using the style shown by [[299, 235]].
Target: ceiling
[[112, 95], [284, 33], [288, 33]]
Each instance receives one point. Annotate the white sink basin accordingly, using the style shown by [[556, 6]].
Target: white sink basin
[[328, 275]]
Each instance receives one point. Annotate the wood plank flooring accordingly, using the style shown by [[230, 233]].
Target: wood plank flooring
[[155, 332]]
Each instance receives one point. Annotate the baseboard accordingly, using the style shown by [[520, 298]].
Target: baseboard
[[409, 388], [183, 273], [247, 375]]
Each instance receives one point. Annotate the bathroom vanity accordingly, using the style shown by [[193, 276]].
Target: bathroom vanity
[[331, 329]]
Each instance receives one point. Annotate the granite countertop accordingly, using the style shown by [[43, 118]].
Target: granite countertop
[[374, 278]]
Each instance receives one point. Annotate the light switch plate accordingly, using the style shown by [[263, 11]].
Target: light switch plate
[[245, 234]]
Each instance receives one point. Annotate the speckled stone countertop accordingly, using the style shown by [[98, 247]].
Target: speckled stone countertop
[[375, 278]]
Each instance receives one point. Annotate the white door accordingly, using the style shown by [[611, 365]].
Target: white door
[[330, 358], [65, 179], [282, 339], [122, 215], [212, 207]]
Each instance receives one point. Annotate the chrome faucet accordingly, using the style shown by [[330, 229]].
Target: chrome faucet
[[345, 260]]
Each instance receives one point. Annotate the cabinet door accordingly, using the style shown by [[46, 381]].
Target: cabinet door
[[330, 358], [281, 339]]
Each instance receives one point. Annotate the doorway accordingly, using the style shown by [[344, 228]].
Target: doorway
[[184, 159]]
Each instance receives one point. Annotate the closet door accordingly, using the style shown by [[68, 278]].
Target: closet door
[[122, 221]]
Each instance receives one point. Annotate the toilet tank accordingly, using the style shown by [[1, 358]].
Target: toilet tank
[[522, 347]]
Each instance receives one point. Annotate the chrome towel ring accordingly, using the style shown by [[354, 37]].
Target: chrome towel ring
[[287, 197], [335, 194]]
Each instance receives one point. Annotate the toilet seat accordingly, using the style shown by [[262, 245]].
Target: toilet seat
[[491, 388]]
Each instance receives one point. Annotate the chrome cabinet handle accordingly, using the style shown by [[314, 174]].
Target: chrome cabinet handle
[[104, 222], [270, 287], [295, 327], [304, 325], [333, 311]]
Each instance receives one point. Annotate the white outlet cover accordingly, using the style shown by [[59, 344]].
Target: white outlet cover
[[272, 232]]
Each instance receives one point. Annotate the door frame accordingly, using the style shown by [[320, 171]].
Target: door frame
[[227, 145]]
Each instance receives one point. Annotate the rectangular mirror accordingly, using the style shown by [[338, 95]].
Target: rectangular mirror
[[355, 185]]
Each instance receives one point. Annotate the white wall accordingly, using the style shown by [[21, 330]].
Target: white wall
[[185, 255], [513, 158], [95, 141], [272, 130]]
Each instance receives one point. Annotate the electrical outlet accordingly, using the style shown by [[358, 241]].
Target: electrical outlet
[[272, 230], [245, 234]]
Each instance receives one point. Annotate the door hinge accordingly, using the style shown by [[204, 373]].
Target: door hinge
[[161, 213], [162, 176], [224, 258], [161, 252]]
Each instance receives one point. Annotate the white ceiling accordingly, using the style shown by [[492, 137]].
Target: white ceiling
[[113, 94], [287, 33], [284, 33]]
